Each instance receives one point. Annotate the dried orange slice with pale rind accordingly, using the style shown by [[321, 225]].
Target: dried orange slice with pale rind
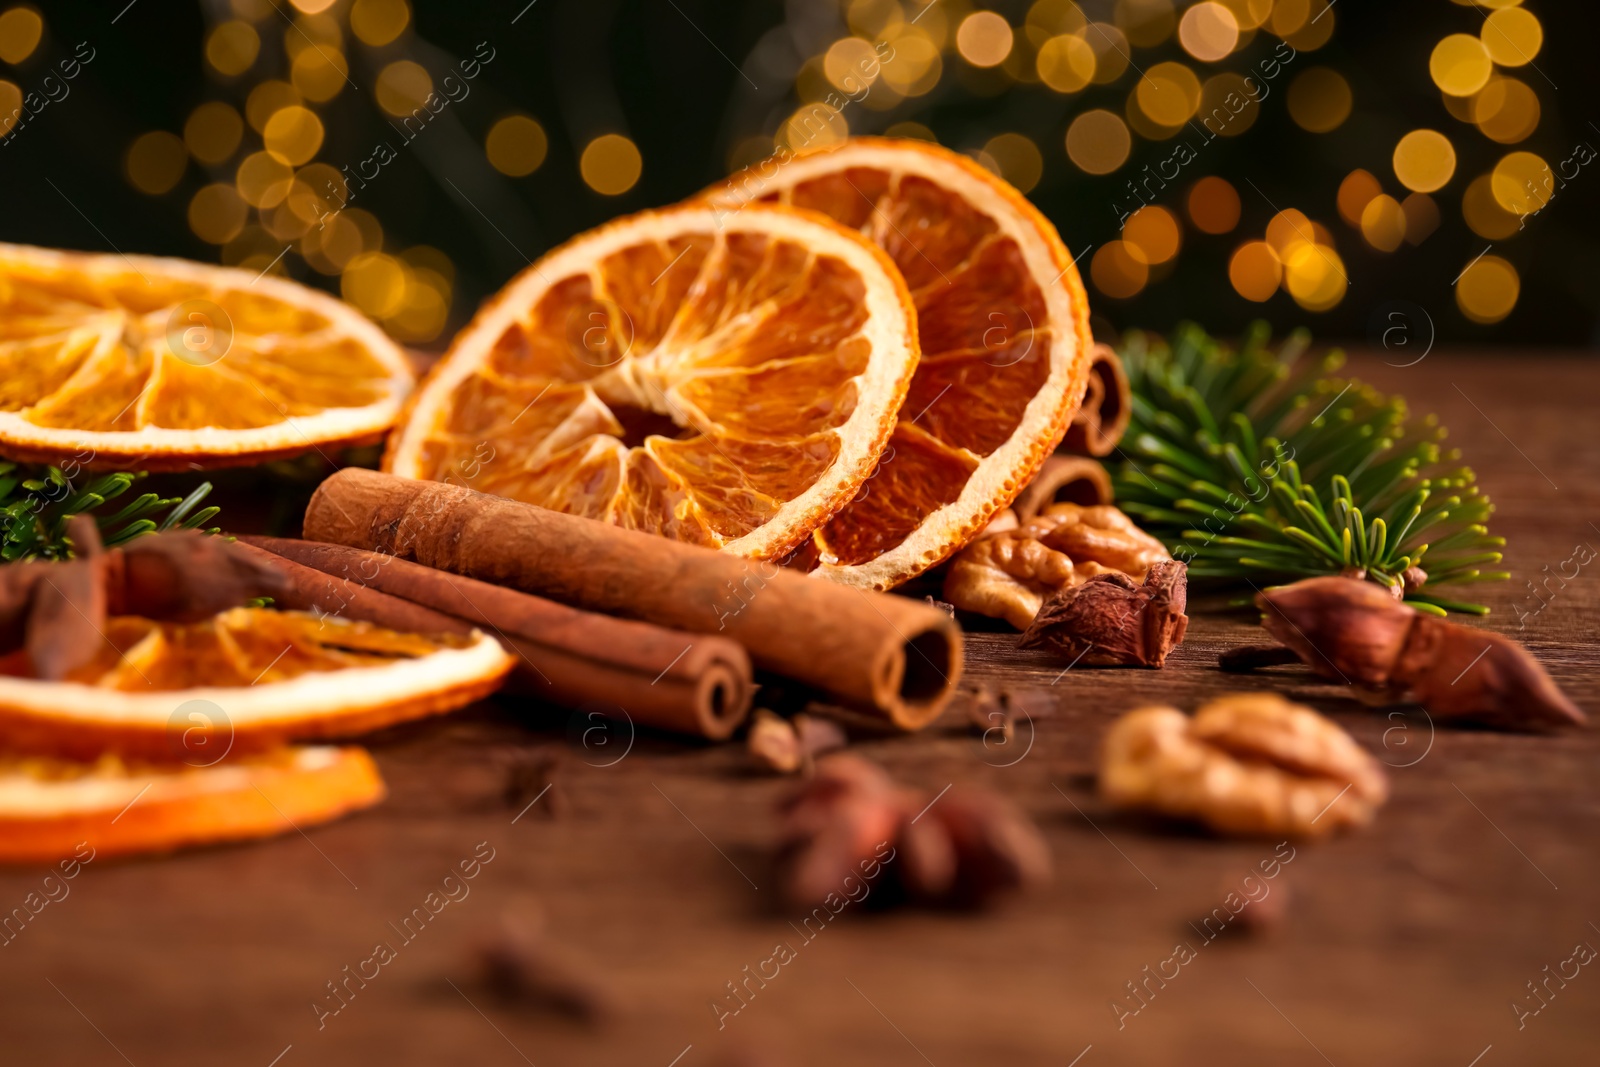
[[245, 680], [727, 381], [1003, 324], [162, 364], [56, 811]]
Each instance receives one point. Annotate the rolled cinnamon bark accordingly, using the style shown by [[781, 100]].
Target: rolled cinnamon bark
[[888, 655], [1107, 405], [1063, 479], [686, 683]]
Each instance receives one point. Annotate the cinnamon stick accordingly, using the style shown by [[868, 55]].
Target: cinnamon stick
[[1063, 479], [891, 656], [686, 683], [1107, 405]]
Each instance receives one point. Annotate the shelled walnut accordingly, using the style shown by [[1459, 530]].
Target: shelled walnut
[[1247, 764], [1009, 575]]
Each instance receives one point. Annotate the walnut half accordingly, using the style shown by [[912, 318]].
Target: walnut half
[[1009, 574], [1246, 764]]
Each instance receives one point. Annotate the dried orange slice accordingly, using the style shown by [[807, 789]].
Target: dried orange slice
[[1004, 328], [54, 810], [166, 364], [244, 680], [728, 381]]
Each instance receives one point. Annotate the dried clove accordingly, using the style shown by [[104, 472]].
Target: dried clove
[[1110, 620], [961, 847], [1357, 633], [531, 777], [518, 962]]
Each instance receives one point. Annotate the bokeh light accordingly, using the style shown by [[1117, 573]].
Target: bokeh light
[[1315, 276], [1110, 51], [1152, 234], [1117, 271], [1460, 64], [1018, 159], [319, 74], [378, 22], [1505, 110], [20, 31], [516, 145], [402, 87], [293, 135], [1512, 36], [1422, 217], [1522, 183], [156, 162], [266, 100], [232, 47], [851, 64], [1484, 213], [611, 164], [984, 39], [263, 180], [917, 66], [1488, 289], [1255, 271], [1355, 192], [212, 133], [1147, 23], [217, 213], [10, 104], [1213, 205], [1098, 141], [814, 125], [1424, 160], [1225, 105], [1168, 94], [1383, 223], [1066, 63], [1319, 99], [1208, 31]]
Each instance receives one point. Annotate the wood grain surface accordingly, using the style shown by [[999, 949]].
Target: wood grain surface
[[650, 863]]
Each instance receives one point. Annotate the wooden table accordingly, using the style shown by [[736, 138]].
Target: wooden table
[[1404, 944]]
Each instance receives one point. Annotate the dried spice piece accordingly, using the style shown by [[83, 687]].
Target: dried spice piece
[[790, 745], [1355, 632], [519, 962], [1009, 575], [58, 610], [1111, 621], [1246, 764], [534, 776], [852, 823], [1063, 479]]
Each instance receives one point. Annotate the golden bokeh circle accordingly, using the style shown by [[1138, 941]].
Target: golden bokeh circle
[[1213, 205], [293, 135], [1319, 99], [516, 145], [1487, 290], [1424, 160], [1460, 64], [1208, 31], [1117, 271], [402, 87], [1512, 36], [1315, 276], [1066, 63], [217, 213], [20, 31], [212, 132], [378, 22], [1383, 223], [1018, 158], [1098, 141], [1355, 193], [611, 164], [1255, 271], [984, 39], [156, 161], [1152, 234]]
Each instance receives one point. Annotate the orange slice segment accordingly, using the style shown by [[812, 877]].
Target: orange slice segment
[[1003, 323], [54, 810], [245, 680], [166, 364], [724, 380]]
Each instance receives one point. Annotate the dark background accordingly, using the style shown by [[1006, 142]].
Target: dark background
[[651, 69]]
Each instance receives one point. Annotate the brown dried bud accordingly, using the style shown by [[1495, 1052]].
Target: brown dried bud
[[1111, 621], [518, 962], [1356, 633]]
